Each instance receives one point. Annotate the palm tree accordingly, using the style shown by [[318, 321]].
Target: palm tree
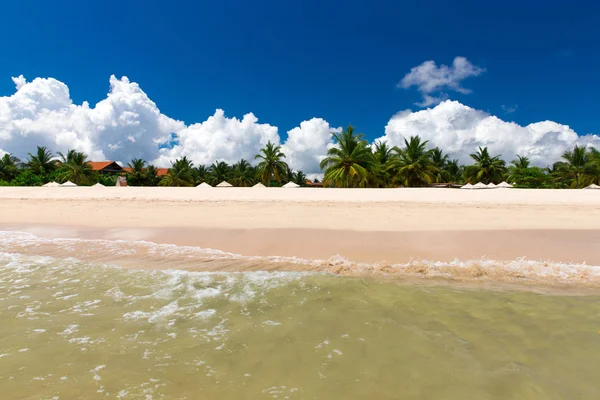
[[299, 178], [595, 162], [521, 162], [555, 176], [180, 173], [218, 172], [440, 161], [518, 168], [455, 171], [9, 167], [74, 167], [575, 167], [243, 174], [42, 163], [271, 165], [138, 175], [486, 168], [413, 165], [152, 178], [200, 173], [594, 154], [578, 168], [350, 162], [289, 174], [383, 155]]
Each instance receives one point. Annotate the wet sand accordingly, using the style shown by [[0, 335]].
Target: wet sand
[[375, 226], [375, 247]]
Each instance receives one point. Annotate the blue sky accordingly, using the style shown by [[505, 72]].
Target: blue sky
[[290, 61]]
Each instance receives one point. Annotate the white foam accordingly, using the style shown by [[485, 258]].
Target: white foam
[[271, 323], [22, 240], [206, 313], [164, 312], [208, 292], [95, 371], [81, 340], [515, 270], [69, 330]]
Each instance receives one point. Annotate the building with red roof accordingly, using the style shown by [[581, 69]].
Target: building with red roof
[[105, 167]]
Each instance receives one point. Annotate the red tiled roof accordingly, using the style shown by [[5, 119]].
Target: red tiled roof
[[162, 171], [100, 165], [159, 171], [310, 183]]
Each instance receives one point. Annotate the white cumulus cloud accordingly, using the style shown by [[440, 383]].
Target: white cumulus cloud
[[433, 80], [19, 81], [128, 124], [460, 130], [125, 124], [221, 139], [307, 145]]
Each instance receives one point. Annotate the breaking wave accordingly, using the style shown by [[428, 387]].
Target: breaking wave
[[155, 256]]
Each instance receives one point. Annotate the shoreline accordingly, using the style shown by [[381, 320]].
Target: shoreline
[[144, 250], [372, 247], [406, 232]]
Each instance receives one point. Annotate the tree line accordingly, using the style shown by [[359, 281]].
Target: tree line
[[356, 163], [351, 163], [43, 166]]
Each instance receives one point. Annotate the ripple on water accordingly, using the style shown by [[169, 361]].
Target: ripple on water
[[177, 334]]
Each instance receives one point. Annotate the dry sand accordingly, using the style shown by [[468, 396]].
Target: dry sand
[[374, 225]]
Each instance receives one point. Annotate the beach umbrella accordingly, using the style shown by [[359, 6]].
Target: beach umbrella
[[290, 185], [467, 186], [491, 185], [51, 184], [259, 185], [592, 186], [68, 184], [504, 185], [204, 185], [98, 185], [480, 185], [224, 184]]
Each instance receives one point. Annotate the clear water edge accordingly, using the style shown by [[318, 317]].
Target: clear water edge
[[78, 329]]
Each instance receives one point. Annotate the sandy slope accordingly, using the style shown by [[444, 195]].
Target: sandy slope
[[355, 209], [392, 225]]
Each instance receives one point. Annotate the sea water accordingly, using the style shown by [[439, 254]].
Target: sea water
[[77, 328]]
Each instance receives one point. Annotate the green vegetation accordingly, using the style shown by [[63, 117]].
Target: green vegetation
[[486, 169], [181, 173], [413, 164], [243, 174], [74, 167], [218, 172], [351, 162], [271, 165]]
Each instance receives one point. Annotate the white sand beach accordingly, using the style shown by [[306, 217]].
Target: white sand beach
[[374, 225]]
